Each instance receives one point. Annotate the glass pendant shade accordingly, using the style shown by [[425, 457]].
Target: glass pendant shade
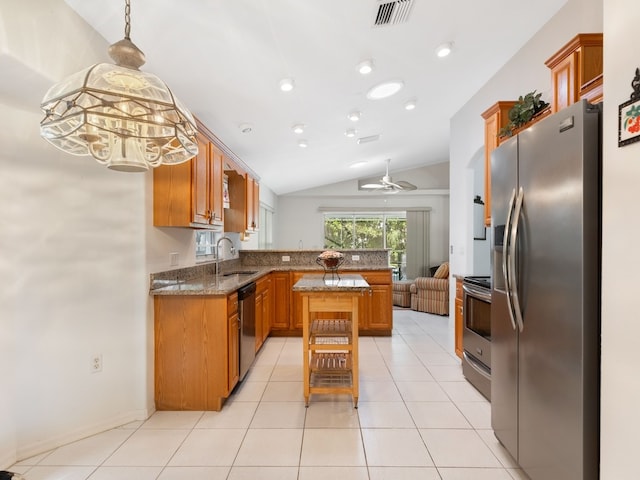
[[126, 119]]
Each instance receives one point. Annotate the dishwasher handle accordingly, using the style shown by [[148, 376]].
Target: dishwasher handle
[[246, 291]]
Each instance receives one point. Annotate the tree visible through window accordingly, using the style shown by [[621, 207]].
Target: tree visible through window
[[369, 230]]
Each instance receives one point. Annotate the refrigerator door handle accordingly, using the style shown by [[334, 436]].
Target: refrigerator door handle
[[505, 256], [512, 260]]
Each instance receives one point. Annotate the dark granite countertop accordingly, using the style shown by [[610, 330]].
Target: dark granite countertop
[[327, 283], [226, 283]]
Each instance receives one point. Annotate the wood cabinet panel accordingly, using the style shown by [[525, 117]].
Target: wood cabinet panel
[[264, 312], [233, 343], [376, 317], [201, 185], [458, 318], [191, 352], [233, 355], [190, 194], [576, 71], [281, 286], [495, 118]]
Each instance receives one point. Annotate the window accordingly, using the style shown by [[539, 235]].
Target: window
[[205, 245], [369, 230], [265, 233]]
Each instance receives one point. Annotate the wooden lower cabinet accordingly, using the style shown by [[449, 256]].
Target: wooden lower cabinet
[[264, 311], [196, 336], [196, 356], [281, 296], [458, 318], [233, 343], [376, 310]]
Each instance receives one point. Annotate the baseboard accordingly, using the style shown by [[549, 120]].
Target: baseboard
[[27, 451]]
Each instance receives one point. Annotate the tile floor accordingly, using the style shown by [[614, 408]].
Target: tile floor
[[417, 419]]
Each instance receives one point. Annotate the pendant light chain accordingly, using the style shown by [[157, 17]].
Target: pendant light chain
[[127, 20]]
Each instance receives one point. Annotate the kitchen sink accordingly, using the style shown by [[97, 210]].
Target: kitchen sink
[[243, 272]]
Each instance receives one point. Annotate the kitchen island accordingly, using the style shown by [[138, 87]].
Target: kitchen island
[[330, 318]]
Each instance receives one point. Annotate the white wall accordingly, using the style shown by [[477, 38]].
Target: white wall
[[72, 236], [300, 220], [621, 256]]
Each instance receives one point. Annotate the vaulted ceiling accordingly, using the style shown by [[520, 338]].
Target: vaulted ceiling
[[225, 59]]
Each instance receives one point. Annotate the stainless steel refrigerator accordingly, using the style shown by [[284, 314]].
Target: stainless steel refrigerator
[[545, 310]]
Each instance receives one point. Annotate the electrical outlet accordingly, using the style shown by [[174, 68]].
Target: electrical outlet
[[286, 258], [96, 363], [355, 258], [174, 259]]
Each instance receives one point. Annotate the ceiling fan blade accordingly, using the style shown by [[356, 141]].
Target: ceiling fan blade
[[395, 186], [406, 185], [372, 186]]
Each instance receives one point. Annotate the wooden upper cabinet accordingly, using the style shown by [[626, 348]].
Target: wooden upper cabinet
[[244, 201], [576, 71], [495, 118], [190, 194], [235, 215], [217, 177], [252, 204], [201, 188]]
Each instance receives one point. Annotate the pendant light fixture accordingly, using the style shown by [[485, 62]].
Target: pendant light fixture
[[125, 119]]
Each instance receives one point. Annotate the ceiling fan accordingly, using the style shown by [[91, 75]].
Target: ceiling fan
[[387, 185]]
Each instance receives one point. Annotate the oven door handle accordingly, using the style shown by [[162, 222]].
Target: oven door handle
[[515, 299], [477, 366], [505, 256], [477, 292]]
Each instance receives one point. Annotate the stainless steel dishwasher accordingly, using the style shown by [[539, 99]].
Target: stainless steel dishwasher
[[247, 326]]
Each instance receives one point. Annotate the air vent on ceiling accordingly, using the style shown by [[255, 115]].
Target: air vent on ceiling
[[370, 138], [392, 13]]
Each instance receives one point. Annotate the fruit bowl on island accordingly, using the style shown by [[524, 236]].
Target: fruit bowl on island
[[330, 260]]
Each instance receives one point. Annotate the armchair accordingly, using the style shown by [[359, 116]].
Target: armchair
[[431, 294]]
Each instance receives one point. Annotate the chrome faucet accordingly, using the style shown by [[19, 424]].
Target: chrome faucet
[[233, 251]]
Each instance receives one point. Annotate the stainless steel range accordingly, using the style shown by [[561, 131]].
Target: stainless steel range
[[476, 334]]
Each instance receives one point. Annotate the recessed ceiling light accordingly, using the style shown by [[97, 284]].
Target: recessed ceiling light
[[298, 128], [385, 89], [358, 164], [444, 49], [303, 143], [245, 128], [410, 104], [286, 84], [350, 132], [354, 116], [365, 67]]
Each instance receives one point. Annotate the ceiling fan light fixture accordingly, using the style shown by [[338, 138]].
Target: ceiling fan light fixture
[[350, 132], [410, 104], [298, 128], [387, 185], [354, 116], [286, 84], [365, 67], [126, 119], [444, 50], [303, 143], [385, 89]]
